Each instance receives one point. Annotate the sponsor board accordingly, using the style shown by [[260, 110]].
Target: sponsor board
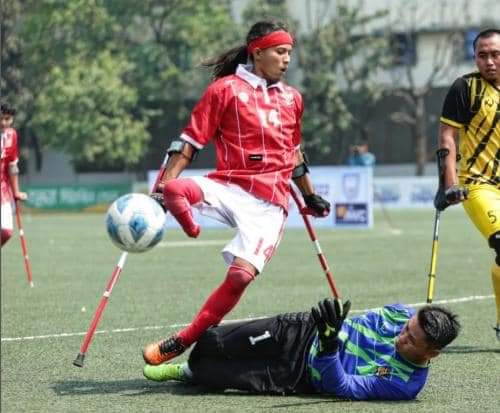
[[74, 197], [351, 213], [404, 192]]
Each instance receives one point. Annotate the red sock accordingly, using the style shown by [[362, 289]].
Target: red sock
[[221, 301], [179, 195], [5, 235]]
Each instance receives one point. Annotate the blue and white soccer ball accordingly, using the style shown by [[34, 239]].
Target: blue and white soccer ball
[[135, 222]]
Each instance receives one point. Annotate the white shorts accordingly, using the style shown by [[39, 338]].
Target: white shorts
[[7, 220], [260, 224]]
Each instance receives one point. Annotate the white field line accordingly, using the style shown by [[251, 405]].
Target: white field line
[[173, 326], [200, 243]]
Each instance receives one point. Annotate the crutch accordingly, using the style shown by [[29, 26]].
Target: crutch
[[441, 154], [109, 288], [312, 234], [432, 270], [24, 247]]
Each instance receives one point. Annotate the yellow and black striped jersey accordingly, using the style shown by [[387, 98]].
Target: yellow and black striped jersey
[[473, 105]]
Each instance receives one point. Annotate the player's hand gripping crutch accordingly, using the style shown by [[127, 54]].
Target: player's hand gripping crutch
[[109, 288], [27, 264], [312, 234], [443, 199]]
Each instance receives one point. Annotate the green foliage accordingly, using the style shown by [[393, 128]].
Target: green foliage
[[11, 85], [87, 110], [168, 41], [97, 62], [267, 9], [340, 61]]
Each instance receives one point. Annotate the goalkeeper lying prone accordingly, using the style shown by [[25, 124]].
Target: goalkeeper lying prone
[[379, 355]]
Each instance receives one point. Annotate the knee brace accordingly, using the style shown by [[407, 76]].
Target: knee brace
[[494, 242]]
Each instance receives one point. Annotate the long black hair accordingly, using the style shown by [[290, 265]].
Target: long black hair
[[226, 63]]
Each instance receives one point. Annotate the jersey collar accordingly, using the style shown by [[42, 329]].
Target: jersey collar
[[245, 72]]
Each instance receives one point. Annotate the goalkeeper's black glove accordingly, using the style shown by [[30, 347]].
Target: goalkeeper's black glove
[[158, 197], [316, 205], [452, 195], [329, 317]]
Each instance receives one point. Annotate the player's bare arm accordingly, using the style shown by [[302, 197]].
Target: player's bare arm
[[181, 154], [448, 139], [316, 205], [14, 182]]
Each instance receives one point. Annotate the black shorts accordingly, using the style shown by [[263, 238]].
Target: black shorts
[[266, 355]]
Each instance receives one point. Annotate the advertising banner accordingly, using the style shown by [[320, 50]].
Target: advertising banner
[[405, 192], [74, 197]]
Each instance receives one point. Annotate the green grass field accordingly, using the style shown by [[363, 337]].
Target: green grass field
[[43, 327]]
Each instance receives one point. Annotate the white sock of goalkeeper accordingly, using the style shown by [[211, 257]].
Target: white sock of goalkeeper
[[186, 371]]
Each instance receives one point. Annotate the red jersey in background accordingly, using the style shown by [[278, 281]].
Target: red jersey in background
[[9, 156]]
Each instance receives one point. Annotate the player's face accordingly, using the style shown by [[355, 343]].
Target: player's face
[[6, 121], [272, 63], [412, 345], [487, 56]]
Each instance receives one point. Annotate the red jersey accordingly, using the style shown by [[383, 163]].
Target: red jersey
[[9, 156], [256, 130]]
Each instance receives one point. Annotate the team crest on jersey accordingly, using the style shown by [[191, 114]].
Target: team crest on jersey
[[383, 371], [288, 97], [243, 96]]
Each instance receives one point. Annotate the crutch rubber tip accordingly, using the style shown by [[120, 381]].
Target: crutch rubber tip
[[79, 360]]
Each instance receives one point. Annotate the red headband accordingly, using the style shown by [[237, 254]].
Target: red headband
[[269, 40]]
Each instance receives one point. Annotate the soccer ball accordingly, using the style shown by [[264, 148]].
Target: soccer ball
[[135, 222]]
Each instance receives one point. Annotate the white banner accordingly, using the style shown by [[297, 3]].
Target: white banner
[[348, 189], [405, 192]]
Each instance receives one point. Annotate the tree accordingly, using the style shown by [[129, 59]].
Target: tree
[[265, 9], [12, 87], [146, 50], [414, 86], [340, 60], [88, 113], [167, 41], [62, 44]]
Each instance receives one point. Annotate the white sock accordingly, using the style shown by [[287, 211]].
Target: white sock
[[186, 371]]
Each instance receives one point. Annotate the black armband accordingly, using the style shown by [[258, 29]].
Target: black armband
[[179, 146], [302, 169]]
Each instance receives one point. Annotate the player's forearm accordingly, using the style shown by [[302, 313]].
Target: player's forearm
[[304, 184], [14, 183], [303, 181], [447, 140], [334, 380], [175, 165]]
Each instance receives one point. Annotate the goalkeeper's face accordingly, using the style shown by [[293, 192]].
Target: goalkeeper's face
[[412, 343]]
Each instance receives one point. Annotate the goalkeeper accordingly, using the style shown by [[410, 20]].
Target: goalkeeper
[[382, 354]]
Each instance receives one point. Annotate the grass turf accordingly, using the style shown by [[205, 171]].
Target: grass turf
[[72, 260]]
